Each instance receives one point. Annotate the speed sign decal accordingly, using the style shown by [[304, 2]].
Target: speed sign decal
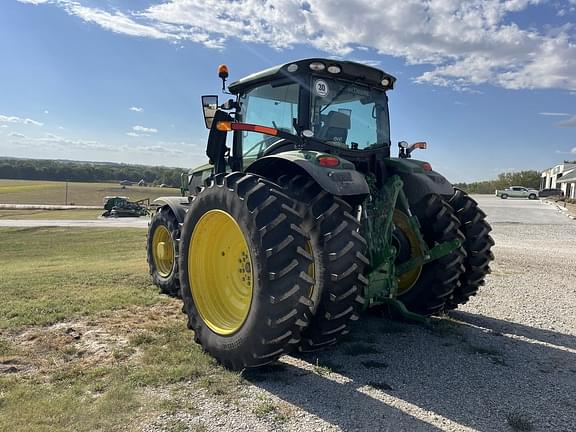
[[321, 88]]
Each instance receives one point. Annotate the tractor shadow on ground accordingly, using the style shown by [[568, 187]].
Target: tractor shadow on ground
[[470, 371]]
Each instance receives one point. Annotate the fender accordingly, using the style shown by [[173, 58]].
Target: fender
[[340, 180], [178, 205], [418, 182]]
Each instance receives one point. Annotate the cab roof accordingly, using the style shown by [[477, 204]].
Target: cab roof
[[349, 70]]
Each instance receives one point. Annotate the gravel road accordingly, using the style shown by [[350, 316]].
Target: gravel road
[[141, 222], [504, 362]]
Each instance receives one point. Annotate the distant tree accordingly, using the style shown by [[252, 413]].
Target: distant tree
[[529, 178], [36, 169]]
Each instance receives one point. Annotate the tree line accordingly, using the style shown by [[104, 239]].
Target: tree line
[[56, 170], [529, 179]]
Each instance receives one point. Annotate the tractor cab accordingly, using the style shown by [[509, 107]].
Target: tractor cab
[[336, 107]]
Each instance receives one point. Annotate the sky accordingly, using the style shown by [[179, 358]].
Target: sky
[[489, 84]]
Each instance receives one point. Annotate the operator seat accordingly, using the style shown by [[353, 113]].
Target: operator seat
[[335, 128]]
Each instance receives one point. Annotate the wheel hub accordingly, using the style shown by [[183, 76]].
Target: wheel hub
[[221, 272], [163, 251], [407, 243]]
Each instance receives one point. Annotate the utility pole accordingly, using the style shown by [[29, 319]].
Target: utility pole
[[66, 199]]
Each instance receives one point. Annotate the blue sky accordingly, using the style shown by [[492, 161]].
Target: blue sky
[[491, 85]]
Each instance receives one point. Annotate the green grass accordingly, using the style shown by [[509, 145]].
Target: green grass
[[48, 192], [144, 362], [50, 214], [49, 274], [113, 396]]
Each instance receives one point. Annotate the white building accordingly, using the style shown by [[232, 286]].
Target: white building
[[568, 184], [562, 176]]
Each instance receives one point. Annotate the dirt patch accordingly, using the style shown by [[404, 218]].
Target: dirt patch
[[84, 342]]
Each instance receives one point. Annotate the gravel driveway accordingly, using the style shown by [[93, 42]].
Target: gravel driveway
[[505, 361]]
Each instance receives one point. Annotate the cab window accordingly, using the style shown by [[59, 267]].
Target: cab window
[[274, 105]]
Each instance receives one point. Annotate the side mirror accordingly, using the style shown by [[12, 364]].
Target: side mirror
[[209, 106], [407, 149]]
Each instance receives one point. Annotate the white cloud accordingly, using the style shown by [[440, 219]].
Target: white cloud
[[19, 120], [570, 123], [144, 130], [132, 134], [554, 114], [116, 21], [52, 141], [136, 109], [45, 111], [573, 151], [34, 2], [463, 42]]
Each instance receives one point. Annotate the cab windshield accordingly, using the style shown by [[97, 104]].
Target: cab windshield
[[274, 105], [349, 115]]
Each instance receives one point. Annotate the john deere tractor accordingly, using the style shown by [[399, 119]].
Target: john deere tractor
[[303, 219]]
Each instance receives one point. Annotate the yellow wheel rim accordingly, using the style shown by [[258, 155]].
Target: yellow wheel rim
[[220, 272], [163, 251], [407, 280], [311, 271]]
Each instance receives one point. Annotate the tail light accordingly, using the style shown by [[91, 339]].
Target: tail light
[[328, 161]]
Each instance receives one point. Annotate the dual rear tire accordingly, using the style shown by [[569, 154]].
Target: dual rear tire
[[451, 281], [268, 269], [477, 244], [436, 280]]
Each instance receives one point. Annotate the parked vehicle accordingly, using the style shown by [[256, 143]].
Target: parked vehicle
[[551, 192], [121, 206], [517, 192]]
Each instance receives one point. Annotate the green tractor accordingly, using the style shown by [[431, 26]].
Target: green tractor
[[306, 220]]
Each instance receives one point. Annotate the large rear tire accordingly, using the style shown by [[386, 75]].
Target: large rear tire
[[438, 279], [477, 244], [339, 260], [243, 268], [162, 251]]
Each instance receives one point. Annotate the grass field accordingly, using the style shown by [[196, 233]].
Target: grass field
[[46, 192], [86, 341]]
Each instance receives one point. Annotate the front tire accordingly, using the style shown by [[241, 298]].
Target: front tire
[[162, 251], [243, 270], [532, 196], [438, 279], [504, 196]]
